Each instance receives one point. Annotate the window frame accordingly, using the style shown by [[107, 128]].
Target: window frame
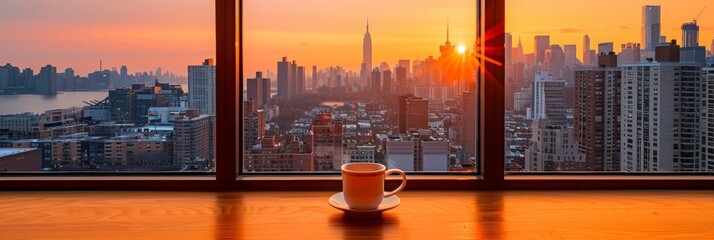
[[492, 175]]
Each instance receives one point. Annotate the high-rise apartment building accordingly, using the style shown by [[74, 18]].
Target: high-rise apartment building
[[202, 87], [552, 146], [707, 120], [548, 99], [661, 106], [258, 90], [469, 127], [253, 124], [597, 114], [194, 141], [47, 80]]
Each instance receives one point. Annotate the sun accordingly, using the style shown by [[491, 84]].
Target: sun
[[461, 49]]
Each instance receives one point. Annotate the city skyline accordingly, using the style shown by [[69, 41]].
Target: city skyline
[[79, 33], [117, 42], [289, 31], [526, 19]]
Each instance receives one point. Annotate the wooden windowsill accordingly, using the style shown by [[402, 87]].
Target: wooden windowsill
[[306, 215]]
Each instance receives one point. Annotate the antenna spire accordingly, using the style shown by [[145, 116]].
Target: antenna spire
[[367, 23], [447, 29]]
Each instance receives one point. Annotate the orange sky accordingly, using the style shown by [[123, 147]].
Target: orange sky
[[329, 32], [615, 21], [174, 33], [141, 34]]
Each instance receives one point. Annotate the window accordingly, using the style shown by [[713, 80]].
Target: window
[[107, 86], [571, 56], [359, 83], [229, 117]]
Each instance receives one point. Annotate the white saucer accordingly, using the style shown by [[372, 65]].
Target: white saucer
[[338, 201]]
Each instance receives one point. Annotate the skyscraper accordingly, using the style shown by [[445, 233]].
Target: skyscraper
[[405, 64], [541, 43], [518, 54], [650, 27], [300, 81], [553, 61], [366, 55], [202, 87], [508, 46], [386, 82], [314, 78], [586, 48], [571, 55], [8, 76], [124, 72], [376, 81], [589, 56], [285, 79], [402, 87], [47, 80], [605, 48], [690, 34]]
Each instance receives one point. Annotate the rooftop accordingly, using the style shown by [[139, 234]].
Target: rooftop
[[12, 151]]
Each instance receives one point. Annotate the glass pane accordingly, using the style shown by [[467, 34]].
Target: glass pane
[[334, 82], [107, 86], [597, 88]]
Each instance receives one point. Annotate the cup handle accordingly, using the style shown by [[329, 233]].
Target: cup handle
[[404, 181]]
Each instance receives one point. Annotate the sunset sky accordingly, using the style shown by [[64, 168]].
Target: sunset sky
[[617, 21], [141, 34], [174, 33], [329, 33]]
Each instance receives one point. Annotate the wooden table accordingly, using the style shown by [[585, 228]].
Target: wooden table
[[306, 215]]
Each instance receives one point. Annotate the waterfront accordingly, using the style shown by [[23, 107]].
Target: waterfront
[[35, 103]]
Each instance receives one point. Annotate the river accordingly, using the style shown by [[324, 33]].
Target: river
[[35, 103]]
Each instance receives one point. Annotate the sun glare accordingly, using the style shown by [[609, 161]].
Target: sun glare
[[461, 49]]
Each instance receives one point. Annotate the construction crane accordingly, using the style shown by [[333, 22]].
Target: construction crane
[[700, 14]]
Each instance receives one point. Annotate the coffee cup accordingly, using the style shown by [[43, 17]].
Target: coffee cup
[[363, 184]]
